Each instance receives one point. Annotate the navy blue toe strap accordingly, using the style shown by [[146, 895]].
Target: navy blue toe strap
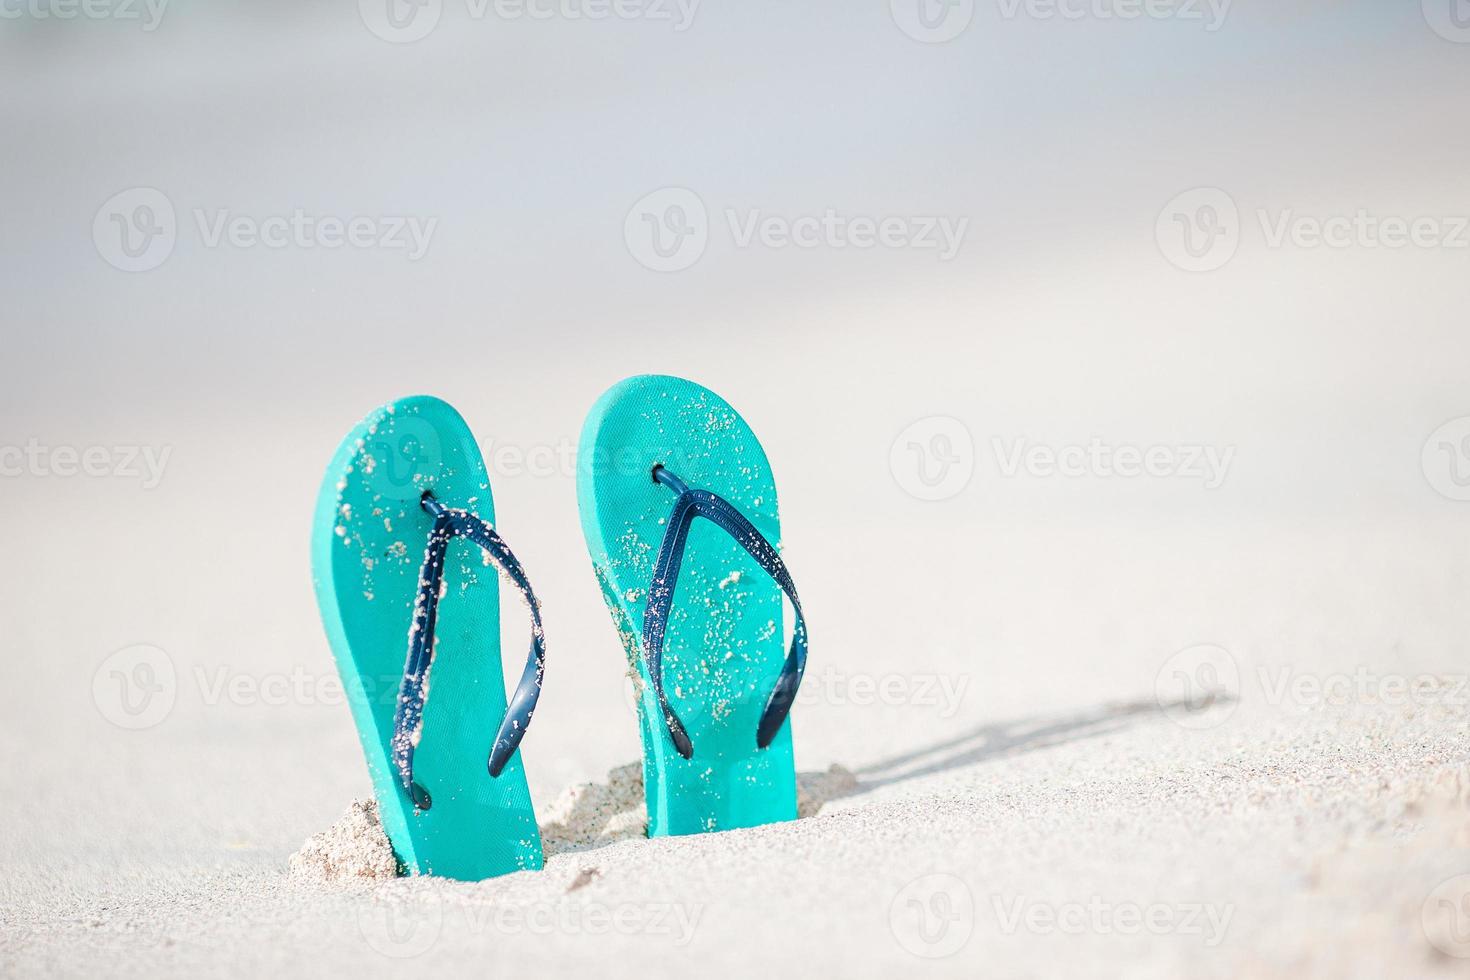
[[720, 512], [408, 719]]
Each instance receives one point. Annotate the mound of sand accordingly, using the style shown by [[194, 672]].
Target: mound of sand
[[355, 849]]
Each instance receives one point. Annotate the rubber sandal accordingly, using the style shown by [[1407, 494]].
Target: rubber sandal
[[679, 509], [392, 573]]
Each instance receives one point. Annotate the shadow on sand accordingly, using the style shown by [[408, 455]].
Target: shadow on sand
[[595, 815], [993, 740]]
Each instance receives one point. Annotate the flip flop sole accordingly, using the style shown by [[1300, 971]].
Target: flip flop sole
[[725, 647], [368, 546]]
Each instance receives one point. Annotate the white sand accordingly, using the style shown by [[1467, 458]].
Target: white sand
[[1020, 806], [1308, 845], [355, 849], [1019, 811]]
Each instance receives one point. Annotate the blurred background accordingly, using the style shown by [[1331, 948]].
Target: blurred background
[[230, 230]]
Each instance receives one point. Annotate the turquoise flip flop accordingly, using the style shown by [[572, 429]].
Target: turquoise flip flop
[[697, 603], [451, 789]]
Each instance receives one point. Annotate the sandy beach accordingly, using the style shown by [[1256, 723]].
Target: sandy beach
[[1123, 461], [1015, 815], [1105, 840]]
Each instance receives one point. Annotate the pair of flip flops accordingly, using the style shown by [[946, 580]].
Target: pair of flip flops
[[405, 543]]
